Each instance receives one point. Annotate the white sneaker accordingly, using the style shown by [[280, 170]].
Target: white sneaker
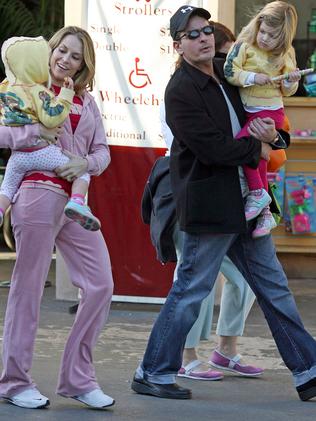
[[95, 399], [30, 398]]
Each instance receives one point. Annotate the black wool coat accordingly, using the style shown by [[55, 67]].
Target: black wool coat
[[158, 209], [204, 155]]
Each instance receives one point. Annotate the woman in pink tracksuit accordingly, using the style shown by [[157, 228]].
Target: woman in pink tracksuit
[[39, 223]]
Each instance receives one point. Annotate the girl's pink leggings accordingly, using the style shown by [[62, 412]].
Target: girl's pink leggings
[[257, 178]]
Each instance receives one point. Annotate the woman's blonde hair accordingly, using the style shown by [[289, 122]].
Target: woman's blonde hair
[[84, 78], [278, 15]]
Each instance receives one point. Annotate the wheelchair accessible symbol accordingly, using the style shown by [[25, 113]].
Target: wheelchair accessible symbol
[[138, 78]]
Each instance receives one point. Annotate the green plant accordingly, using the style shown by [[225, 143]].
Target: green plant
[[29, 18]]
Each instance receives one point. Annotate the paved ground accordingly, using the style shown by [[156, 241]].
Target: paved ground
[[120, 347]]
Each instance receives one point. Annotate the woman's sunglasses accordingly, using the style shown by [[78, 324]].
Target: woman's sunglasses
[[195, 33]]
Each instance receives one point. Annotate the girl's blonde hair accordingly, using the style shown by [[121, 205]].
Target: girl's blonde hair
[[84, 78], [278, 15]]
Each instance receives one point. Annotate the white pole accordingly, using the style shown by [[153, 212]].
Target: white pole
[[75, 14], [222, 11]]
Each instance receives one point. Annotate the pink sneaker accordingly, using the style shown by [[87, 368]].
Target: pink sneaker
[[82, 215], [265, 224], [257, 200], [219, 360], [187, 371]]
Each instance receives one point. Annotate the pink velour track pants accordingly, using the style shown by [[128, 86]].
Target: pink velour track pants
[[39, 222]]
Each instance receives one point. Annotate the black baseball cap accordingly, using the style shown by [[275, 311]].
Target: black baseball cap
[[179, 20]]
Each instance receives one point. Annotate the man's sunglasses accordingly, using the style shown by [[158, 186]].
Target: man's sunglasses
[[195, 33]]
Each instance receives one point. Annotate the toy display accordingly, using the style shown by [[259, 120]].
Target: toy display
[[277, 182], [301, 206], [304, 133], [296, 197], [310, 83]]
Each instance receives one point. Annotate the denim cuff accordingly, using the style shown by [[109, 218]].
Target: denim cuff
[[155, 378], [305, 376]]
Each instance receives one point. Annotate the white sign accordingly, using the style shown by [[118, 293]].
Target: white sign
[[135, 58]]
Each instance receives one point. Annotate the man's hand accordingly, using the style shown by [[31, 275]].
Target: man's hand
[[262, 79], [74, 168], [50, 135], [263, 129], [265, 151]]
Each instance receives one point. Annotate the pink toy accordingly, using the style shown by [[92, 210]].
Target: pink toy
[[301, 221]]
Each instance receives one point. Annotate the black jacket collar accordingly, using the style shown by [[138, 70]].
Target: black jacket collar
[[202, 79]]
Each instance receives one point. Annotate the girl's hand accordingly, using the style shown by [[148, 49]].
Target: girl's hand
[[262, 79], [294, 76], [50, 135], [74, 168], [68, 83]]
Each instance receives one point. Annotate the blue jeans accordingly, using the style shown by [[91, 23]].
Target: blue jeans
[[236, 301], [256, 260]]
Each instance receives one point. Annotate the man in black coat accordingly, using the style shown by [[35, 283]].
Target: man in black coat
[[205, 113]]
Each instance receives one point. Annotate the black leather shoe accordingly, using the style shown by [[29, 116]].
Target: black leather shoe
[[169, 391], [307, 390]]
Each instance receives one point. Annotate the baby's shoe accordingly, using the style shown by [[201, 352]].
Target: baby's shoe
[[257, 200], [265, 224], [83, 215]]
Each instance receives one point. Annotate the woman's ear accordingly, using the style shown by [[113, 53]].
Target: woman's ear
[[177, 46]]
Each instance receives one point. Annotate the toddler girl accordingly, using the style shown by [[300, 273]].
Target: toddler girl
[[263, 50], [25, 100]]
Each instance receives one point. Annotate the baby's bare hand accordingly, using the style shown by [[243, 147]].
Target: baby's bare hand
[[68, 83], [50, 135]]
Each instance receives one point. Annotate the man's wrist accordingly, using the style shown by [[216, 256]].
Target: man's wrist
[[279, 143], [275, 139]]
